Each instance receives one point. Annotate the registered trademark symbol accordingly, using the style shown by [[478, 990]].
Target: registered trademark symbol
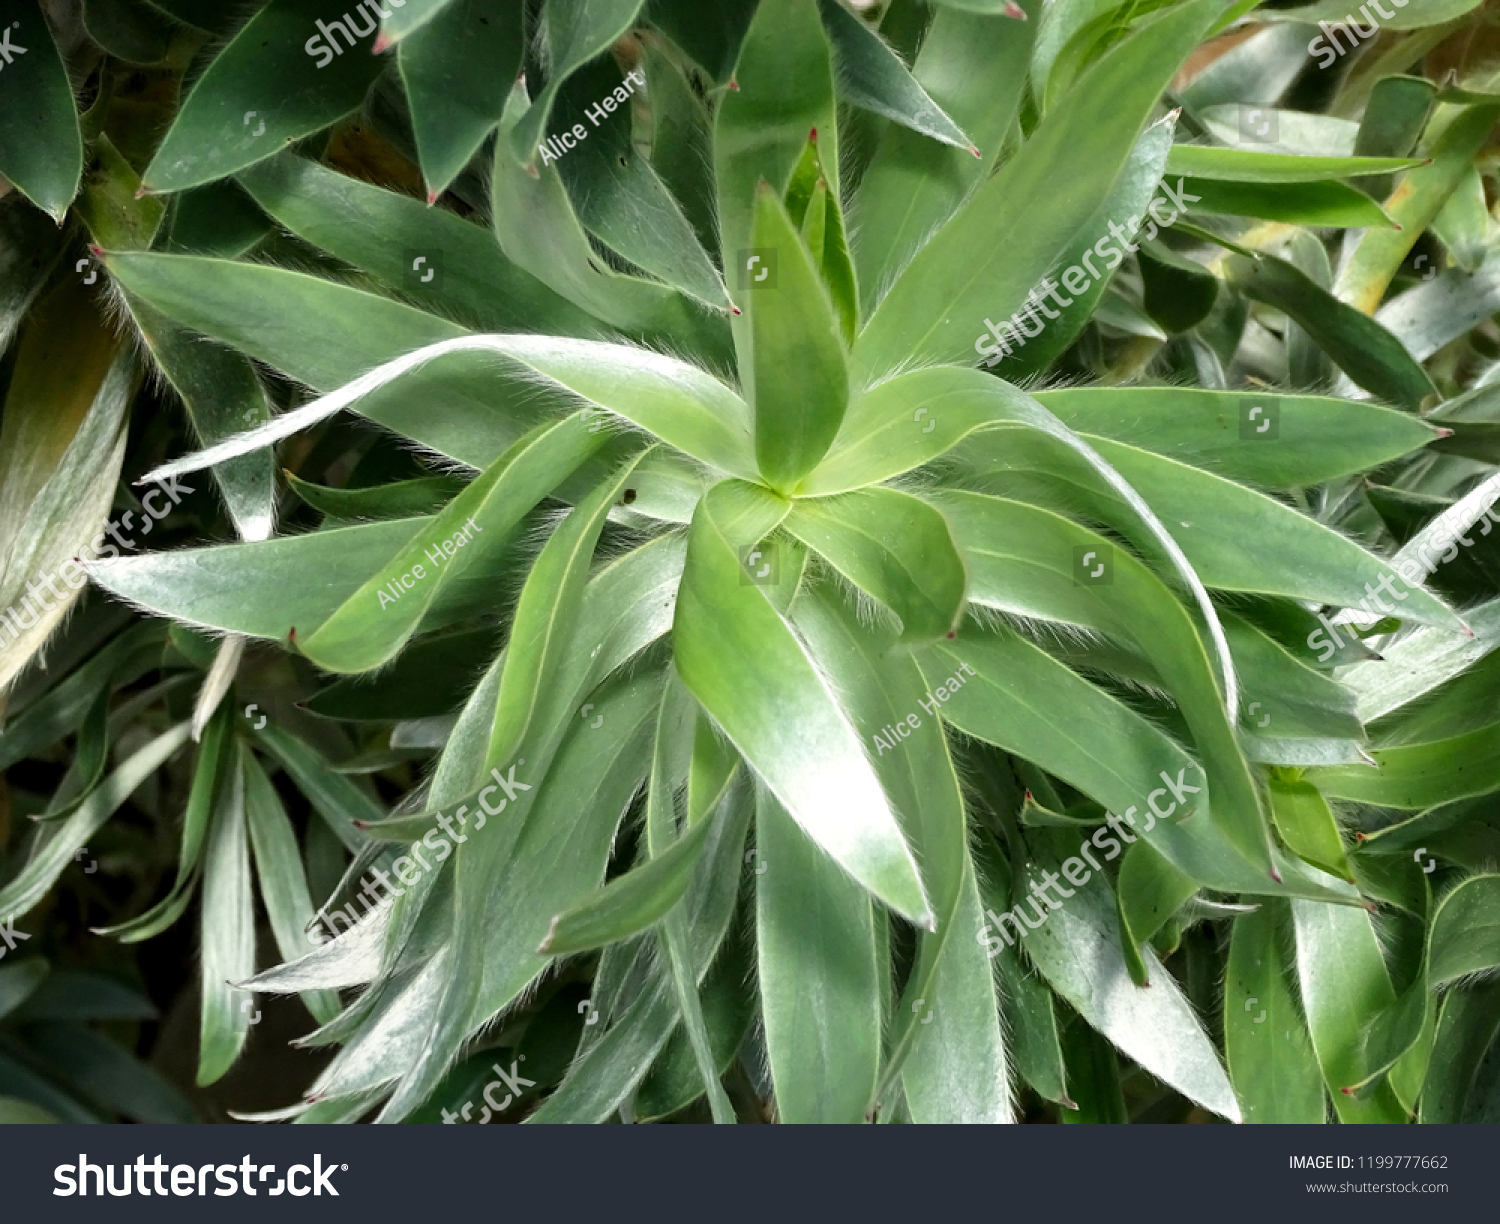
[[345, 1168]]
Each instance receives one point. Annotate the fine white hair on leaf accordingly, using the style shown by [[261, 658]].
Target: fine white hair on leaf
[[513, 347]]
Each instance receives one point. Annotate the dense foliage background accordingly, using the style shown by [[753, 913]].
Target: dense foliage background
[[913, 563]]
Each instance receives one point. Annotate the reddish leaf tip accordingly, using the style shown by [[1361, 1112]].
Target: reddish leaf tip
[[361, 824], [1276, 875], [382, 44], [1347, 1091], [734, 84], [1012, 9], [1444, 433], [432, 198], [975, 151], [735, 310], [812, 136]]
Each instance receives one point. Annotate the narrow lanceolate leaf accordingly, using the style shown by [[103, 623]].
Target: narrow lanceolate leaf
[[433, 257], [1361, 347], [820, 986], [681, 404], [546, 614], [41, 151], [795, 371], [214, 761], [457, 71], [223, 396], [32, 883], [539, 231], [1421, 775], [872, 77], [1010, 233], [893, 546], [61, 446], [576, 32], [622, 201], [1131, 196], [631, 902], [1317, 438], [1460, 134], [1076, 948], [944, 1046], [741, 660], [271, 85], [260, 590], [228, 931], [467, 537], [1307, 826], [974, 67], [785, 79], [1271, 1060], [283, 884], [1254, 166], [1343, 982]]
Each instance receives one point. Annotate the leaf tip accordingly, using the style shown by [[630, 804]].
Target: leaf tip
[[975, 151], [1012, 9], [382, 44], [1275, 875]]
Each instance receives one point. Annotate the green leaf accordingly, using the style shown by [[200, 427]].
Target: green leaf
[[540, 232], [1029, 1013], [1255, 166], [576, 32], [1076, 948], [1309, 204], [894, 547], [980, 262], [785, 79], [1466, 1030], [796, 375], [271, 85], [30, 885], [623, 202], [974, 67], [631, 902], [1130, 197], [872, 77], [547, 615], [1343, 983], [820, 988], [222, 395], [228, 930], [1270, 1054], [259, 590], [465, 539], [421, 497], [1318, 438], [1455, 135], [1306, 824], [944, 1044], [457, 70], [385, 234], [283, 884], [740, 659], [1420, 775], [209, 774], [128, 30], [1028, 561], [41, 151], [62, 442], [711, 34]]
